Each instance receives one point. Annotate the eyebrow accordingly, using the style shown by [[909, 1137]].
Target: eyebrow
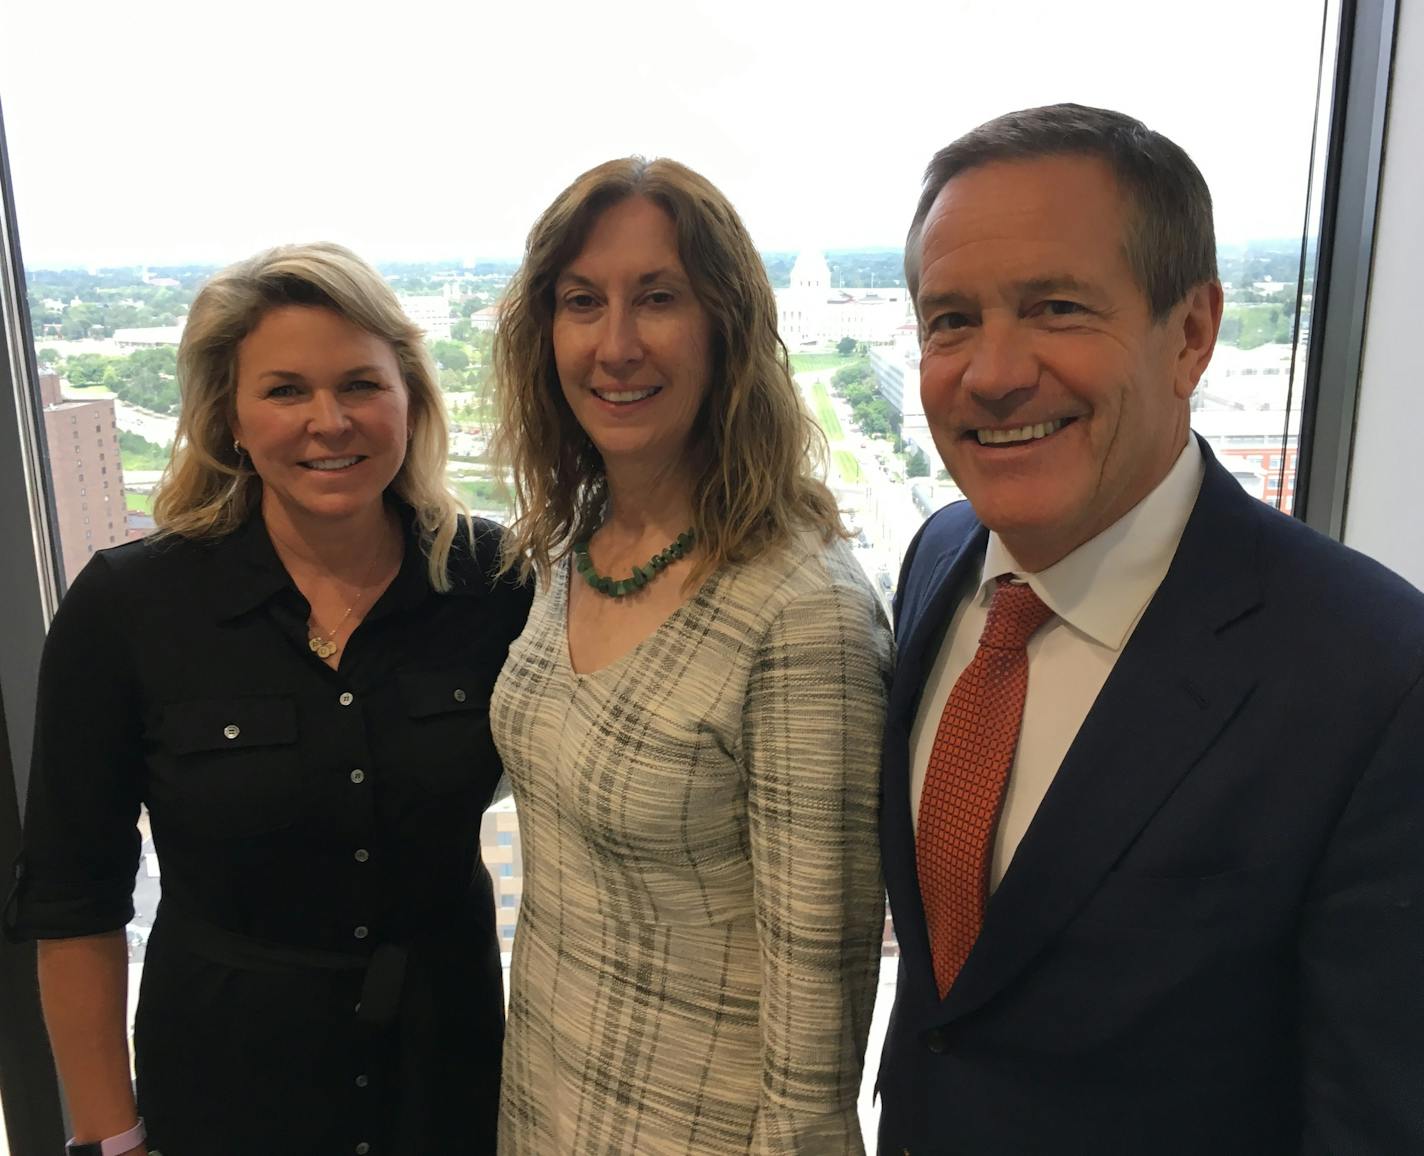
[[669, 274], [293, 375], [1031, 287]]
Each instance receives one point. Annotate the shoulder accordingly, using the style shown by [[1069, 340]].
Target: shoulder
[[808, 585], [1338, 588], [946, 528], [942, 536], [1319, 604], [475, 558], [138, 567], [476, 546], [803, 566], [118, 596]]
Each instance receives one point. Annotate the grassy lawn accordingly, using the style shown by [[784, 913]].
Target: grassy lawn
[[471, 407], [805, 362], [1248, 326], [826, 413], [142, 503], [142, 462], [848, 467], [480, 493]]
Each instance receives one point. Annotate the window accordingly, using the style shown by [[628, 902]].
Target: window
[[109, 278]]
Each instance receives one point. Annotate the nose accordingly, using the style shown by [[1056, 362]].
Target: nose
[[326, 417], [619, 344], [1001, 365]]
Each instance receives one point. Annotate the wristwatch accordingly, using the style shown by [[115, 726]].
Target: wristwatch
[[113, 1146]]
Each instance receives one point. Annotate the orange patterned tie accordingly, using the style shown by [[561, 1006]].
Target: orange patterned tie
[[968, 771]]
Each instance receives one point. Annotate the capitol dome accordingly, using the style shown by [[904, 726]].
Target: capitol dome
[[810, 271]]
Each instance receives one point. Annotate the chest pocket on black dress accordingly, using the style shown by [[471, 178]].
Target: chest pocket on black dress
[[448, 716], [232, 764]]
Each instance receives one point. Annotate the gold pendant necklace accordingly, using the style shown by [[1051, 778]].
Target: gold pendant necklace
[[324, 646]]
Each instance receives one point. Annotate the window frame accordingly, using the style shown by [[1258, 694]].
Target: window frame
[[29, 1088], [1354, 159]]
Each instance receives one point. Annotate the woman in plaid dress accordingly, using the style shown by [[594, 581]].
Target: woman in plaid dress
[[691, 720]]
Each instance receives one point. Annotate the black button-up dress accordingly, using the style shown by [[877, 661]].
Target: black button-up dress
[[323, 974]]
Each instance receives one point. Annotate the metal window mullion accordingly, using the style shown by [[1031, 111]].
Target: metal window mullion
[[1351, 202], [29, 1090]]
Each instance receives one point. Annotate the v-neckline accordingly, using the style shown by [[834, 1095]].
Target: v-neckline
[[563, 576]]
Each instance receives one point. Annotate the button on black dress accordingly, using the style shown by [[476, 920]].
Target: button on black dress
[[323, 974]]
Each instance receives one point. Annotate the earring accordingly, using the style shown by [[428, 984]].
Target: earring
[[237, 447]]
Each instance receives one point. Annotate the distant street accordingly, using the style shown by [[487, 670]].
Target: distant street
[[879, 503], [155, 427]]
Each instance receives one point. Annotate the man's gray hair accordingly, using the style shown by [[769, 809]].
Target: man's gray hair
[[1170, 240]]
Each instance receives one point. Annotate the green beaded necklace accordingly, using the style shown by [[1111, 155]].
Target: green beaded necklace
[[641, 576]]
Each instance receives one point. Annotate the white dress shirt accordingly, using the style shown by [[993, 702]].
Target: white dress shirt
[[1097, 593]]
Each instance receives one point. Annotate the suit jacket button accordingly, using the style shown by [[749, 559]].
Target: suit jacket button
[[935, 1040]]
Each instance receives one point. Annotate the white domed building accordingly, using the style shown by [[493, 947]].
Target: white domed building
[[811, 312]]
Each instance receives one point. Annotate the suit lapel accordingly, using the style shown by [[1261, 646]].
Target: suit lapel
[[926, 623], [1177, 683]]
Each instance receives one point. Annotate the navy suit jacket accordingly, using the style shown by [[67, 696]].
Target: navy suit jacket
[[1211, 938]]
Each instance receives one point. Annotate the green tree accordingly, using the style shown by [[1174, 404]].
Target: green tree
[[918, 466], [848, 375], [450, 355], [86, 369], [846, 346], [138, 453]]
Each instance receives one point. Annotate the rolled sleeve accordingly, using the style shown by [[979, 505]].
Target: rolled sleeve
[[813, 719]]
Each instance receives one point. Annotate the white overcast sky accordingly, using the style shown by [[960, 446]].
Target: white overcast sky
[[167, 132]]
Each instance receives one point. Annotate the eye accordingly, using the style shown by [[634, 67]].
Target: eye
[[579, 301], [361, 385], [1061, 308], [948, 321], [283, 391], [659, 297]]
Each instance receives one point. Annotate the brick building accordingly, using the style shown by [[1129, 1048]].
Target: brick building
[[82, 438]]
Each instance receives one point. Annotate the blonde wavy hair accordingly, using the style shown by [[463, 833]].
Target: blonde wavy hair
[[208, 490], [755, 479]]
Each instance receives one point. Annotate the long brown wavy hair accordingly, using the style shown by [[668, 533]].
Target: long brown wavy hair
[[755, 480]]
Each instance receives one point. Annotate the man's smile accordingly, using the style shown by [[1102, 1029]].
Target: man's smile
[[1019, 435]]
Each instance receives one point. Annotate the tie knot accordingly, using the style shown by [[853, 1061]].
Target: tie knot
[[1014, 615]]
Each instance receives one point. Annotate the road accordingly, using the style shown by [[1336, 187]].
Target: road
[[887, 516], [155, 427]]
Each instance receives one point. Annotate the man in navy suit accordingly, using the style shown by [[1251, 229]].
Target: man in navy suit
[[1203, 922]]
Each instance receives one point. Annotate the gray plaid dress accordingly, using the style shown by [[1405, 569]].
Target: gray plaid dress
[[698, 942]]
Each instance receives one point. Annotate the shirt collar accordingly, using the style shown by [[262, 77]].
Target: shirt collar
[[1102, 587], [246, 572]]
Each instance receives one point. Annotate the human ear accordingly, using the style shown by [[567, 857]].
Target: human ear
[[1198, 325]]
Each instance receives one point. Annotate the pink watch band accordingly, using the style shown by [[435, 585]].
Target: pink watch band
[[117, 1145]]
